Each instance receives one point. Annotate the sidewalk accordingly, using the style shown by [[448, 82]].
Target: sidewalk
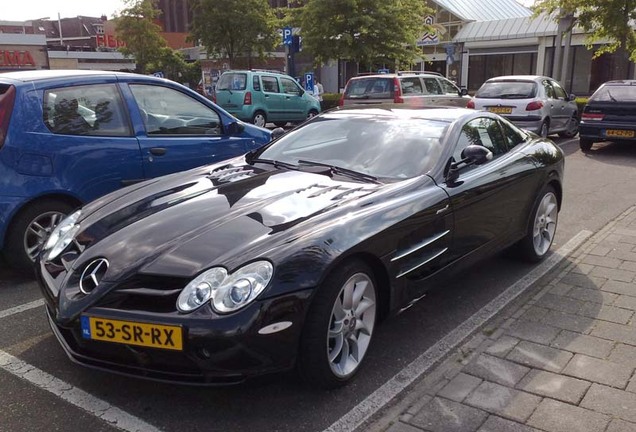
[[562, 359]]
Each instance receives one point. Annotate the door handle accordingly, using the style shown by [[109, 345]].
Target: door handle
[[158, 151]]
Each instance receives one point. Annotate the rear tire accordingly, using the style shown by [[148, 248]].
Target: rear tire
[[585, 144], [339, 326], [259, 119], [312, 113], [29, 230], [542, 227]]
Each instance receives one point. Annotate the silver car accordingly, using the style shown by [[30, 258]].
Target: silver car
[[536, 103]]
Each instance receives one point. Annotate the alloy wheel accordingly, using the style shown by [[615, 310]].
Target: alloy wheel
[[259, 119], [545, 224], [351, 325], [39, 230]]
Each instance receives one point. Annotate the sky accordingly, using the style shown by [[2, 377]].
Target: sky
[[22, 10]]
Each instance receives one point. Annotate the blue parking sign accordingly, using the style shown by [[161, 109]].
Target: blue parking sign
[[287, 36], [309, 82]]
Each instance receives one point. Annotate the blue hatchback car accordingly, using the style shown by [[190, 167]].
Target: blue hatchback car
[[68, 137]]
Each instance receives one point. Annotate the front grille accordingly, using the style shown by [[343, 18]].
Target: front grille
[[157, 294]]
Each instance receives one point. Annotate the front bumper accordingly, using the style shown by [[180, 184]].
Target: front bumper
[[217, 350]]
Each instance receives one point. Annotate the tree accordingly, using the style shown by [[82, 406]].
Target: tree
[[367, 31], [174, 66], [234, 28], [137, 29], [602, 20]]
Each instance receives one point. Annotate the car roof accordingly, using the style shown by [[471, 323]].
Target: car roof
[[517, 78], [620, 82], [398, 75], [443, 114], [44, 74]]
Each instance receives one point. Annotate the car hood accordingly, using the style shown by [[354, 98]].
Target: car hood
[[184, 223]]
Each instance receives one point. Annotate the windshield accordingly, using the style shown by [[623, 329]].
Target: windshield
[[232, 81], [384, 147], [615, 93], [507, 90]]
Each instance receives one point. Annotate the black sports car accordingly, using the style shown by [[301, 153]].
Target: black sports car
[[609, 114], [290, 255]]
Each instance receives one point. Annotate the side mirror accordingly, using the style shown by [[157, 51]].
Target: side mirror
[[476, 154], [571, 97], [277, 133], [235, 128], [471, 155], [463, 92]]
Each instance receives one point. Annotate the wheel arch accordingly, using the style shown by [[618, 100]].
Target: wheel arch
[[558, 187], [53, 196]]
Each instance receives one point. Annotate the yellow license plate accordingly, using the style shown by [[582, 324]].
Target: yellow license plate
[[132, 333], [619, 133], [500, 110]]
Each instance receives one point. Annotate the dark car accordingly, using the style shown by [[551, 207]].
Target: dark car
[[609, 115], [289, 255], [68, 137]]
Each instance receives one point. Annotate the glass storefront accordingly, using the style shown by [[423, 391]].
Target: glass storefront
[[483, 67]]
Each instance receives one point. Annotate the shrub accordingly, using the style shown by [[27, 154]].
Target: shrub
[[329, 100], [580, 103]]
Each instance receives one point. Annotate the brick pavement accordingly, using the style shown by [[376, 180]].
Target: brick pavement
[[562, 359]]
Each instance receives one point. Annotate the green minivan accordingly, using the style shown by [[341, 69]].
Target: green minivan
[[260, 97]]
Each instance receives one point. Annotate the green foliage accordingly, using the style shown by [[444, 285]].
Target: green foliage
[[135, 26], [580, 104], [603, 20], [329, 100], [234, 28], [174, 66], [366, 31]]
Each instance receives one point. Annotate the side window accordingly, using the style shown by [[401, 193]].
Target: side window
[[290, 86], [513, 135], [256, 83], [432, 86], [549, 91], [558, 90], [86, 110], [411, 86], [270, 84], [482, 131], [167, 111], [448, 87]]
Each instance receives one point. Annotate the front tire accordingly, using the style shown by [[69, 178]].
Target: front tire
[[30, 229], [339, 326], [312, 113], [540, 235], [545, 129], [573, 128]]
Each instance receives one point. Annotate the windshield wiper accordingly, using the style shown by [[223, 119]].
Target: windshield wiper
[[613, 99], [342, 171], [275, 163]]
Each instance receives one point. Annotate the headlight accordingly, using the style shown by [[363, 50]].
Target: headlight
[[227, 292], [62, 236]]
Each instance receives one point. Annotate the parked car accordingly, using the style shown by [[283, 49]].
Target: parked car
[[293, 252], [610, 114], [415, 89], [536, 103], [260, 96], [68, 137]]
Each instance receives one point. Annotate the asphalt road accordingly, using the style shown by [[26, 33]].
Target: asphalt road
[[598, 187]]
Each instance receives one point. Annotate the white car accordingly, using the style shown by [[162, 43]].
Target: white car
[[536, 103]]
